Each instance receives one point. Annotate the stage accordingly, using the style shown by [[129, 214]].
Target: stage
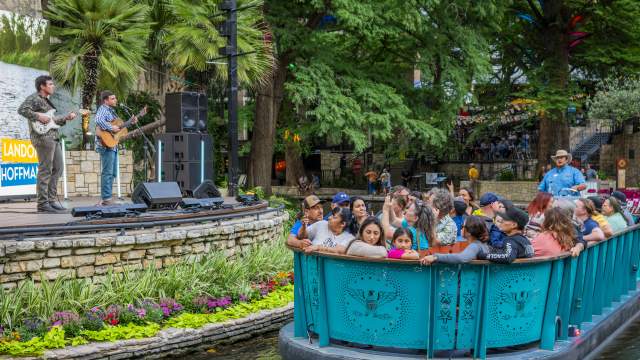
[[20, 214]]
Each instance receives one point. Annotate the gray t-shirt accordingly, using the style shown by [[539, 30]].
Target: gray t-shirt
[[361, 248], [319, 234]]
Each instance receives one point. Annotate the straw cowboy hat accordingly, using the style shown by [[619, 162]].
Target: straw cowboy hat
[[562, 153]]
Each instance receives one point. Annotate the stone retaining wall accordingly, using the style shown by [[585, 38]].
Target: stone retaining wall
[[93, 255], [175, 342]]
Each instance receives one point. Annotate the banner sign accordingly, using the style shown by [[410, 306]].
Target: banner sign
[[18, 168]]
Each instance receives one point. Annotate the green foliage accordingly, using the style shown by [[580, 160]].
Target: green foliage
[[122, 332], [136, 101], [193, 40], [617, 98], [351, 80], [506, 175], [54, 339], [278, 298], [214, 275], [115, 31], [24, 41]]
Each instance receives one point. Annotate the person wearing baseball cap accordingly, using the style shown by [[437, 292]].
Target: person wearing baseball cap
[[312, 212], [563, 176], [340, 199], [490, 204], [511, 222]]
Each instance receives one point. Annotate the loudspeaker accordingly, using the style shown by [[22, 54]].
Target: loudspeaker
[[210, 203], [157, 195], [186, 112], [117, 210], [206, 190], [186, 174], [186, 146]]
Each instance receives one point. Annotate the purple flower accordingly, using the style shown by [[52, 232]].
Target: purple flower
[[64, 317], [243, 298], [141, 313]]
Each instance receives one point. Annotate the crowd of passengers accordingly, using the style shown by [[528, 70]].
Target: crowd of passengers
[[492, 227]]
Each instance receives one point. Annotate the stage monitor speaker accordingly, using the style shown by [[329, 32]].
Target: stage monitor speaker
[[157, 195], [206, 190], [210, 203], [117, 210], [186, 112]]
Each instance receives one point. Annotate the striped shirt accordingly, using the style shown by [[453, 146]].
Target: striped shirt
[[104, 116]]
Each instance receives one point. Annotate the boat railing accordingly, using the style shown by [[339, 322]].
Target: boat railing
[[400, 305]]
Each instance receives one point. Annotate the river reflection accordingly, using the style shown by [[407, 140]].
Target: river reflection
[[264, 347], [625, 346]]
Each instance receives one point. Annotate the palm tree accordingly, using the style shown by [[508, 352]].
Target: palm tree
[[99, 42], [193, 40]]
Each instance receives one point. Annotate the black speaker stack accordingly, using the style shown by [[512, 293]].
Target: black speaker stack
[[186, 148]]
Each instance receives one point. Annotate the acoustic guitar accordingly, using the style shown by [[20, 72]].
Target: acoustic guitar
[[111, 139], [42, 129]]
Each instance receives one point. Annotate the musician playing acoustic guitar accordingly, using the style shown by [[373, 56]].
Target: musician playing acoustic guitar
[[105, 118], [47, 145]]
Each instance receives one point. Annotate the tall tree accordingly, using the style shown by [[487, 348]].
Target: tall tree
[[557, 44], [99, 42], [344, 66]]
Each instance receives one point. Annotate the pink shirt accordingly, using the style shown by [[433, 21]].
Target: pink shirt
[[545, 244], [396, 253]]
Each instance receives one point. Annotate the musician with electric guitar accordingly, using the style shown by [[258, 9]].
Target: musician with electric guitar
[[45, 138], [109, 130]]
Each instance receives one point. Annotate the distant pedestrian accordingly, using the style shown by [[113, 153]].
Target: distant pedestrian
[[372, 177], [591, 174], [385, 181]]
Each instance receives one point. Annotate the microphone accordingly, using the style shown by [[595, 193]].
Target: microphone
[[125, 106]]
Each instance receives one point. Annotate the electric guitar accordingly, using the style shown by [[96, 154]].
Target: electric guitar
[[111, 139], [42, 129]]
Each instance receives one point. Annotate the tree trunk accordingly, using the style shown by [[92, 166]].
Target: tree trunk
[[295, 167], [91, 62], [268, 104], [554, 127]]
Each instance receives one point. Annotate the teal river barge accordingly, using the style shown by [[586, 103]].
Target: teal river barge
[[351, 307]]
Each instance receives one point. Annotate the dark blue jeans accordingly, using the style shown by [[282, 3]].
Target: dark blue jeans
[[108, 160]]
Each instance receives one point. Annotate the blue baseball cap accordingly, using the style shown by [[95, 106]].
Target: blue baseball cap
[[340, 198], [488, 199]]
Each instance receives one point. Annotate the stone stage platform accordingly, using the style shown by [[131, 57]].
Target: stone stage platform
[[49, 246], [20, 213]]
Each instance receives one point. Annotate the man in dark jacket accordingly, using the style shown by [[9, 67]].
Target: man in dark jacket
[[511, 222], [47, 145]]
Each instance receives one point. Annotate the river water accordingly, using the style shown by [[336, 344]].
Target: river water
[[625, 346], [263, 347]]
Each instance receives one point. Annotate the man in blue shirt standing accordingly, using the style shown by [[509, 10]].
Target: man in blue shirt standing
[[108, 156], [563, 176]]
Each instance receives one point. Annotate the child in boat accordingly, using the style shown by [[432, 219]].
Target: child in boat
[[512, 223], [370, 240], [475, 232], [401, 245]]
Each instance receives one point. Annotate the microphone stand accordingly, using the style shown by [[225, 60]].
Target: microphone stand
[[147, 144]]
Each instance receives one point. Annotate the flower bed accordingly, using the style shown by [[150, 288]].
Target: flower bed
[[138, 305]]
